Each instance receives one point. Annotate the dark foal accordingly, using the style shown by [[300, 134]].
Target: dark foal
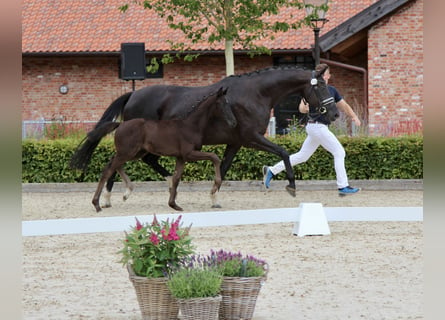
[[181, 138]]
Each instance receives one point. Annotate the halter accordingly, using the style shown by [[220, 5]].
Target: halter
[[323, 103]]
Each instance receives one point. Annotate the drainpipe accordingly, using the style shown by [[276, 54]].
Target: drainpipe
[[357, 69]]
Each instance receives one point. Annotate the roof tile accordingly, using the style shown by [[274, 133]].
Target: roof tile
[[99, 26]]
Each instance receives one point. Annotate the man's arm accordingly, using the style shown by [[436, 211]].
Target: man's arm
[[346, 108]]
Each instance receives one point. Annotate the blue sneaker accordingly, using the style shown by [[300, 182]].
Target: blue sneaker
[[267, 176], [347, 190]]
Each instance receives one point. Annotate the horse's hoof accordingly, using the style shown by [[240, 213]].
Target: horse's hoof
[[98, 209], [291, 191], [125, 198], [176, 207], [106, 206], [216, 206]]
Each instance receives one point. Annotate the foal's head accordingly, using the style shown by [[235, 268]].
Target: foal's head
[[217, 99]]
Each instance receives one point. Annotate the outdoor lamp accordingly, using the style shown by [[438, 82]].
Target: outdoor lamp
[[316, 10]]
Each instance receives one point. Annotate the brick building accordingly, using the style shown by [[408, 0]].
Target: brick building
[[374, 48]]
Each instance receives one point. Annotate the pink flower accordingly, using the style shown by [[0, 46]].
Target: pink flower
[[154, 239], [155, 221], [172, 234], [138, 224]]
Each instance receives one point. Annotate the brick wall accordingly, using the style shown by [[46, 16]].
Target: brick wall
[[351, 87], [395, 78], [395, 64], [93, 82]]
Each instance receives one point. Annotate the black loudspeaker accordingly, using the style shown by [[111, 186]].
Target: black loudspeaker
[[132, 61]]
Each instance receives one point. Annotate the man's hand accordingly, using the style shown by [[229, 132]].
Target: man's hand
[[304, 107]]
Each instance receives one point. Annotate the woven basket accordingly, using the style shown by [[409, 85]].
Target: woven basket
[[199, 308], [239, 297], [154, 298]]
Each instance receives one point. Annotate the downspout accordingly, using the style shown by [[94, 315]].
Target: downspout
[[357, 69]]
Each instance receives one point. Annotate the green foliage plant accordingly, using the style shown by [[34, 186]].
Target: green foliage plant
[[195, 278], [235, 264], [153, 250]]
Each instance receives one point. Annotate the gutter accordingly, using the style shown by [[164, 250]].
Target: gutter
[[148, 52], [357, 69]]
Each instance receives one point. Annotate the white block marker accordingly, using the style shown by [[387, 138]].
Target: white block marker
[[312, 221]]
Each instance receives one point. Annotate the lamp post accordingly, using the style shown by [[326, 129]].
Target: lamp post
[[316, 11]]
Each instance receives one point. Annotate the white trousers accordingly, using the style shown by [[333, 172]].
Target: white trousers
[[319, 134]]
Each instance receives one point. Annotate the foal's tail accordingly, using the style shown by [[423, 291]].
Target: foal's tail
[[82, 156]]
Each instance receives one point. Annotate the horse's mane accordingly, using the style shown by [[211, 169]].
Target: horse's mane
[[194, 106], [267, 69]]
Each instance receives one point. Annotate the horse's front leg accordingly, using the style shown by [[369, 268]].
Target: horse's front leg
[[259, 142], [152, 161], [180, 163], [229, 154], [129, 186]]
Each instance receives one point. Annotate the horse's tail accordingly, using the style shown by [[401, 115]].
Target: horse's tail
[[81, 158], [115, 109], [84, 151]]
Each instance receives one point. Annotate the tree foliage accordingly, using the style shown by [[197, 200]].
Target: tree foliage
[[240, 23]]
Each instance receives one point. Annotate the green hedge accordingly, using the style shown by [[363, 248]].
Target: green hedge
[[366, 158]]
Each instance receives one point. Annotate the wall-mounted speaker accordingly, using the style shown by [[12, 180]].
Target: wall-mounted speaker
[[132, 61]]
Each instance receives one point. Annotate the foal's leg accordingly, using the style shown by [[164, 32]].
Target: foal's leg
[[108, 188], [109, 169], [199, 155], [129, 186], [180, 163]]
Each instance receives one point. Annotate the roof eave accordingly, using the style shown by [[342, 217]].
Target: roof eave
[[360, 21], [149, 52]]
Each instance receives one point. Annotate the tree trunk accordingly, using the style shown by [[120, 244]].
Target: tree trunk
[[230, 64]]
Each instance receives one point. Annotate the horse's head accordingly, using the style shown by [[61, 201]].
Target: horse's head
[[226, 108], [319, 98]]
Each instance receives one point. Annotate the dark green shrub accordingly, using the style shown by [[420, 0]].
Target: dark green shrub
[[366, 158]]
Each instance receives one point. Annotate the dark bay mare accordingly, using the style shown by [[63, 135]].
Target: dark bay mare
[[251, 97], [181, 139]]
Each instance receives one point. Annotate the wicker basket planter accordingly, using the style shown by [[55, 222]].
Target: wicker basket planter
[[154, 298], [239, 297], [199, 308]]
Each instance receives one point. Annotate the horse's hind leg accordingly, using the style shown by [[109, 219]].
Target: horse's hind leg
[[129, 186], [180, 163], [108, 188], [107, 172]]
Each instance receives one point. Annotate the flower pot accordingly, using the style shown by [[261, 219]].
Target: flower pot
[[239, 295], [154, 298], [199, 308]]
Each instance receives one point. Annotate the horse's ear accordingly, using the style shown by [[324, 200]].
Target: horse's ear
[[222, 91]]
